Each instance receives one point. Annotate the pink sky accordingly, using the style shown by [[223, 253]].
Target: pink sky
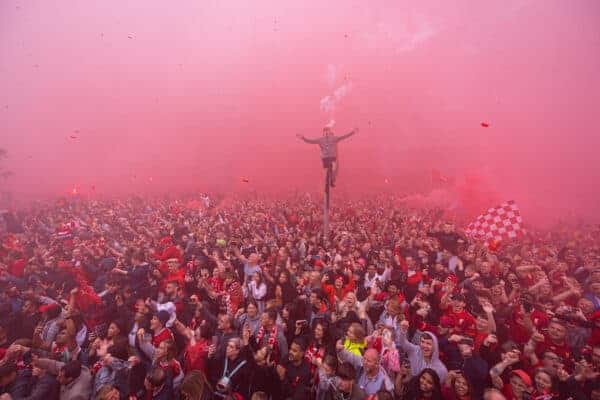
[[198, 94]]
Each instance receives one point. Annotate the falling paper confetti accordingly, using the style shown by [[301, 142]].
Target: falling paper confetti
[[485, 124], [73, 137], [130, 36], [386, 180], [245, 180]]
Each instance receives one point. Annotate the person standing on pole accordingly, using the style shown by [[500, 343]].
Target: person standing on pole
[[328, 144]]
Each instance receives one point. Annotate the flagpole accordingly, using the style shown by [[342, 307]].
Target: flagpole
[[326, 206]]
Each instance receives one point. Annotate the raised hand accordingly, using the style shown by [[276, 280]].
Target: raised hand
[[404, 325]]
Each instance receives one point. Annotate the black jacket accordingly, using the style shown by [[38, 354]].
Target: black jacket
[[476, 371], [240, 380], [296, 378], [44, 388]]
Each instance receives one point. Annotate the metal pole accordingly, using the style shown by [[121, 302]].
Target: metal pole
[[326, 205]]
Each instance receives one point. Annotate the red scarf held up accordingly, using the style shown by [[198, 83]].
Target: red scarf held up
[[271, 342]]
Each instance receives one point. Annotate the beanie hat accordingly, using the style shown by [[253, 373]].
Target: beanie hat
[[523, 375]]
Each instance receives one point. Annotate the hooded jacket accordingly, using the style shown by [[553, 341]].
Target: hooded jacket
[[417, 361]]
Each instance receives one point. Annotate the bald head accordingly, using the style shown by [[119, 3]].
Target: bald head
[[371, 361]]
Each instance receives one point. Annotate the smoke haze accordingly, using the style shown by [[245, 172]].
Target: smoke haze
[[120, 97]]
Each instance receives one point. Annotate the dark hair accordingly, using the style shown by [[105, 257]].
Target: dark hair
[[330, 360], [437, 387], [384, 395], [119, 349], [346, 371], [72, 369], [139, 255], [323, 322], [7, 369], [251, 301], [319, 294], [453, 381], [120, 324], [272, 313], [553, 380], [300, 342], [206, 331], [507, 346], [53, 311]]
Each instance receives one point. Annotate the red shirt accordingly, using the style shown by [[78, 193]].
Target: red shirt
[[195, 357], [164, 334], [464, 323], [331, 291], [178, 277], [561, 350], [517, 331], [17, 268]]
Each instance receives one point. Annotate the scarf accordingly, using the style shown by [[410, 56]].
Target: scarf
[[271, 342], [314, 351], [234, 298]]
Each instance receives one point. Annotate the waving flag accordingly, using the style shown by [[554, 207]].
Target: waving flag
[[500, 223]]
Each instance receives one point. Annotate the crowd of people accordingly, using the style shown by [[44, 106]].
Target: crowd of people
[[150, 299]]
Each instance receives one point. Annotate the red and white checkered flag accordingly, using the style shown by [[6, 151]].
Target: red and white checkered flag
[[500, 223]]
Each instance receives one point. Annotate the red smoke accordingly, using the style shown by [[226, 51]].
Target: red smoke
[[200, 96]]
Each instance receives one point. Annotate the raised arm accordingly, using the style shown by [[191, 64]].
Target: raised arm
[[307, 140], [402, 341], [347, 135]]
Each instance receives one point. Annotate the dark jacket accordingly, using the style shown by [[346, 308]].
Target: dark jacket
[[264, 379], [165, 393], [19, 388], [45, 387], [334, 394], [239, 380], [296, 378], [476, 371]]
